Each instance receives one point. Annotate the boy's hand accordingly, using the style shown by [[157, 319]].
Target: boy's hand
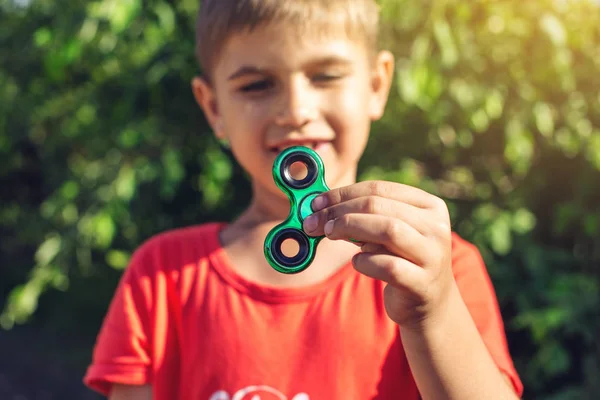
[[405, 238]]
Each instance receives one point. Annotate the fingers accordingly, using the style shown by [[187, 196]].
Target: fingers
[[396, 235], [405, 239], [399, 192], [396, 271], [414, 216]]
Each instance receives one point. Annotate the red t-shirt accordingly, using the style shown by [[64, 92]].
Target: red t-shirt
[[183, 321]]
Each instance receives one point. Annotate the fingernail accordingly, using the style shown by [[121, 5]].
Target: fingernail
[[328, 227], [319, 203], [310, 223]]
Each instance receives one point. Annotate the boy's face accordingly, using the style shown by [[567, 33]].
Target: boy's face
[[271, 89]]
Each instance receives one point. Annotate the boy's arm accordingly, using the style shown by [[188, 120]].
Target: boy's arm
[[406, 240], [122, 357], [449, 359], [129, 392]]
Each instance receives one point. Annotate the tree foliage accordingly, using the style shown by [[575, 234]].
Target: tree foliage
[[495, 107]]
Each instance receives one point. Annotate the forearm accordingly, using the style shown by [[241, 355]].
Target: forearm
[[449, 360]]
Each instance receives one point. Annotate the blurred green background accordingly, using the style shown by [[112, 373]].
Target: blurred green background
[[495, 107]]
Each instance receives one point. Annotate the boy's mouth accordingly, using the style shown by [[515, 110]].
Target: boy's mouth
[[314, 145]]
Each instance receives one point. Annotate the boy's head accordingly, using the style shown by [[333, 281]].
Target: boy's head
[[219, 19], [282, 72]]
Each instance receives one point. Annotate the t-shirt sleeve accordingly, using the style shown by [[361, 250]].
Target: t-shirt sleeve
[[122, 350], [479, 295]]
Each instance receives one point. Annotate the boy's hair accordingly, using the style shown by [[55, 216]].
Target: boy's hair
[[218, 19]]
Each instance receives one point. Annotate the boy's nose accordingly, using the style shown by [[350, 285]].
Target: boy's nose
[[297, 108]]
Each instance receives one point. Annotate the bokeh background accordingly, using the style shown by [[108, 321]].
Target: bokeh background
[[495, 107]]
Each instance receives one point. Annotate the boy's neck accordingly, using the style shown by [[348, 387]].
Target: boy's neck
[[243, 240], [267, 207]]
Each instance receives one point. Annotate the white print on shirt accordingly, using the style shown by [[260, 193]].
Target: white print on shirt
[[260, 392]]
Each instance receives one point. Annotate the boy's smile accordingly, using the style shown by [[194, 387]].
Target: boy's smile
[[317, 144], [272, 89]]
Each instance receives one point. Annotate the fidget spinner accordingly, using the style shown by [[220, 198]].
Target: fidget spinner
[[301, 193]]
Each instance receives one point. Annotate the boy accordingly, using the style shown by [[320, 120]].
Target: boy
[[199, 314]]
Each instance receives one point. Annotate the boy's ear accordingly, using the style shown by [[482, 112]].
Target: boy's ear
[[206, 99], [383, 74]]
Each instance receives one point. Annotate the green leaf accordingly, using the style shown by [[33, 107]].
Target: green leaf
[[554, 358], [48, 250], [117, 259], [70, 214], [543, 118], [22, 302], [129, 138], [70, 190], [494, 104], [88, 30], [554, 29], [519, 147], [445, 40], [104, 229], [480, 121], [125, 184], [592, 151], [119, 13], [523, 221], [42, 37], [569, 142], [166, 17], [591, 224], [421, 49], [499, 233], [86, 114]]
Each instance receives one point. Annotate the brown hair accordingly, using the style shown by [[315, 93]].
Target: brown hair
[[218, 19]]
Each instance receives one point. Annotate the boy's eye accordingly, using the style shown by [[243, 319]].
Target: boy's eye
[[327, 77], [257, 86]]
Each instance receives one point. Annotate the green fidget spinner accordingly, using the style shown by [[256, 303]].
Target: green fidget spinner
[[301, 193]]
